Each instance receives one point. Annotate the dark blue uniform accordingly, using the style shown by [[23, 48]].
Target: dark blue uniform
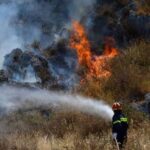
[[120, 126]]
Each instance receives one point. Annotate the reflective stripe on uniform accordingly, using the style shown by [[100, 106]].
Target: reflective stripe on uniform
[[123, 119], [117, 121]]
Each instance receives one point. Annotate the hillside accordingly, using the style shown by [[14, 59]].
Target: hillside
[[62, 65]]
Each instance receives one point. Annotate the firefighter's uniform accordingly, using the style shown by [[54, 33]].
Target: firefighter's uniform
[[119, 124]]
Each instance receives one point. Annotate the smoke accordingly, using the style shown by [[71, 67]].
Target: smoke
[[24, 22], [8, 37], [13, 98]]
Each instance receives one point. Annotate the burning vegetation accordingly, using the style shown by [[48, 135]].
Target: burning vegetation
[[46, 57], [96, 65]]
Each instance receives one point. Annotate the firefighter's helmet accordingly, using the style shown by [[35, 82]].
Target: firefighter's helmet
[[116, 106]]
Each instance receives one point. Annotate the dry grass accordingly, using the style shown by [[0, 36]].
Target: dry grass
[[131, 73], [59, 131], [69, 131], [138, 139], [143, 7], [130, 77]]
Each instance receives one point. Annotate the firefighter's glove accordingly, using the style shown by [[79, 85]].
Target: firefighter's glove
[[114, 136]]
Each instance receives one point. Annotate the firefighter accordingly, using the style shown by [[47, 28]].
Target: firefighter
[[119, 125]]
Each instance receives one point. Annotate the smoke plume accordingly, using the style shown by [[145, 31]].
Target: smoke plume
[[13, 98], [46, 21], [8, 37]]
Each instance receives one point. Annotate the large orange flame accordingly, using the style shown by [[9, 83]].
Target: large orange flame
[[97, 65], [79, 41]]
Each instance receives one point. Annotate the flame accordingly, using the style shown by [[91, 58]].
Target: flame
[[79, 41], [96, 65], [109, 49]]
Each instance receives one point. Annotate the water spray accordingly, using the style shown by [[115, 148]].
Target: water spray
[[14, 98]]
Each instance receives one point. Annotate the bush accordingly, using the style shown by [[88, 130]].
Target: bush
[[130, 73], [143, 7]]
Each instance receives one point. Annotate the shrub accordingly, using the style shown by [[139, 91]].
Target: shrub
[[130, 73], [143, 7]]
